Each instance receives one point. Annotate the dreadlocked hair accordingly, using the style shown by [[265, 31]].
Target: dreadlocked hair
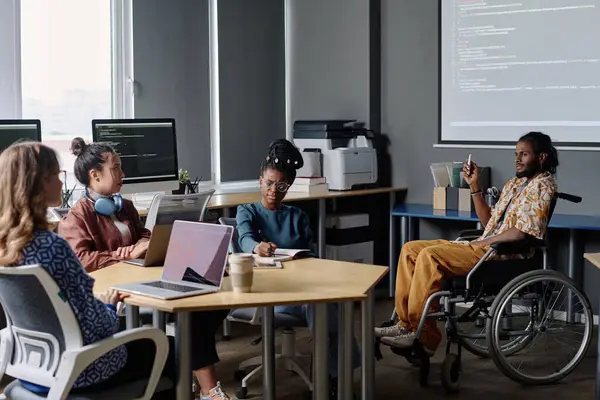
[[283, 156]]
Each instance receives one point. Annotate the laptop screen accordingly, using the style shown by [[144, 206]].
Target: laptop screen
[[197, 253]]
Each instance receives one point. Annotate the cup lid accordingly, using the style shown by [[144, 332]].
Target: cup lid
[[241, 256]]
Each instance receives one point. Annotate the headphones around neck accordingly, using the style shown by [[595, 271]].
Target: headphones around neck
[[107, 206]]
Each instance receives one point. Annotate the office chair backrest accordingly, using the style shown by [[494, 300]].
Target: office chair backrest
[[235, 239], [166, 208], [40, 325]]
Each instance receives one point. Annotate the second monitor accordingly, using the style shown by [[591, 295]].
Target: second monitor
[[148, 151], [15, 130]]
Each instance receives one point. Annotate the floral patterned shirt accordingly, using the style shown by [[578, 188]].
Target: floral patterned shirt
[[523, 205]]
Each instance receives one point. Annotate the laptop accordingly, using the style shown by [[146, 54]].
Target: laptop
[[194, 265], [157, 248], [60, 213]]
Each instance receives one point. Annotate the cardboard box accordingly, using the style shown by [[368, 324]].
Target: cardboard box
[[451, 198]]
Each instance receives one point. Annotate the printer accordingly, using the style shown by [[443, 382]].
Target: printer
[[349, 158]]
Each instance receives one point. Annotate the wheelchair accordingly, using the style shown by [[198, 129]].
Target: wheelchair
[[511, 304]]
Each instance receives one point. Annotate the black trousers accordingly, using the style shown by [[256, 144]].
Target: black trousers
[[204, 326], [140, 355], [140, 358]]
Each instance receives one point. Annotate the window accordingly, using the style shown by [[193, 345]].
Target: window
[[72, 61]]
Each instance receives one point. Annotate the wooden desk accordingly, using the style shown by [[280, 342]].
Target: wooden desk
[[229, 200], [299, 282], [594, 258], [226, 201], [309, 281]]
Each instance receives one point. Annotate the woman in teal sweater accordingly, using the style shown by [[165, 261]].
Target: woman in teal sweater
[[267, 225]]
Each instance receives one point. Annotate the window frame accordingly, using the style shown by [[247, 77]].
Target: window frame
[[215, 132], [123, 90], [123, 82], [122, 72]]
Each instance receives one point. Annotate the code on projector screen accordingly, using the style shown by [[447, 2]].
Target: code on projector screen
[[509, 67]]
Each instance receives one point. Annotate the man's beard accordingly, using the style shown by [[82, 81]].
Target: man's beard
[[529, 171]]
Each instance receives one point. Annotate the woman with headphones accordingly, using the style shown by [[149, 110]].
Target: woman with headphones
[[103, 228]]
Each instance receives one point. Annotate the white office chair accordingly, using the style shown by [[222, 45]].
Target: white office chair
[[166, 208], [252, 316], [42, 342]]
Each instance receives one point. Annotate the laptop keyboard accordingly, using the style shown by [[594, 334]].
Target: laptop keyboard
[[172, 286]]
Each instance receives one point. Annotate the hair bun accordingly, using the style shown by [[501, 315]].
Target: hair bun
[[78, 146], [283, 152]]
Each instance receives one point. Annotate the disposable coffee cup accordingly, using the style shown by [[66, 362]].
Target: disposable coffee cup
[[241, 272]]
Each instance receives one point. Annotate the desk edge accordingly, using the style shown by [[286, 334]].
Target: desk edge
[[344, 298]]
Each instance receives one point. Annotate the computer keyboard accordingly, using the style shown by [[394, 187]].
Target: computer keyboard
[[172, 286]]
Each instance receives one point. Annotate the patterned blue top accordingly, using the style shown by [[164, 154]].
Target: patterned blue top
[[96, 319]]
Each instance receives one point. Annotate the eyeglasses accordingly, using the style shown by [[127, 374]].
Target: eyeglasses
[[280, 186]]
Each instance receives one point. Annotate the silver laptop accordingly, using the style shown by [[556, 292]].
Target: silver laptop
[[157, 248], [194, 265]]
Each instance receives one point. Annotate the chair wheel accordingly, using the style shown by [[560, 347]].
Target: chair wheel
[[450, 371], [241, 393], [239, 375]]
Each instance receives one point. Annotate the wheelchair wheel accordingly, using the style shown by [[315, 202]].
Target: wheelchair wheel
[[473, 338], [543, 296], [450, 372]]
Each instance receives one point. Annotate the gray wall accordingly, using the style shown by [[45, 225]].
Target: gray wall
[[251, 82], [330, 78], [171, 69], [410, 113], [410, 118], [329, 59]]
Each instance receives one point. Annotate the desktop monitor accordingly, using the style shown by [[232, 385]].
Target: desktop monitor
[[148, 151], [15, 130]]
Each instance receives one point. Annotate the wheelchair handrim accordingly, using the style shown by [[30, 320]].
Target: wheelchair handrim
[[538, 278]]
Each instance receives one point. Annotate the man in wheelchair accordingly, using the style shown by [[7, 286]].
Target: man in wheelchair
[[523, 210]]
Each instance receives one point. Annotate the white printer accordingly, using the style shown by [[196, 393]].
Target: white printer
[[349, 158]]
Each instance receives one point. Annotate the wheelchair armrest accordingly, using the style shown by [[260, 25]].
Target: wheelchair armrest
[[471, 232], [518, 246]]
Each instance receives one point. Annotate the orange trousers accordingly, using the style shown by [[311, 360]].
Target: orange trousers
[[422, 266]]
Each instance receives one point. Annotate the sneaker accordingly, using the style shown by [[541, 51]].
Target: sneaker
[[216, 393], [391, 331], [406, 341]]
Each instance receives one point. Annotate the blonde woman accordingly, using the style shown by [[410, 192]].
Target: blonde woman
[[29, 175]]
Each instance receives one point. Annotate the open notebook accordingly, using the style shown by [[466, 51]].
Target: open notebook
[[281, 255]]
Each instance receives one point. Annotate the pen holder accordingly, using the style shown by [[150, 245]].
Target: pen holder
[[191, 188]]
